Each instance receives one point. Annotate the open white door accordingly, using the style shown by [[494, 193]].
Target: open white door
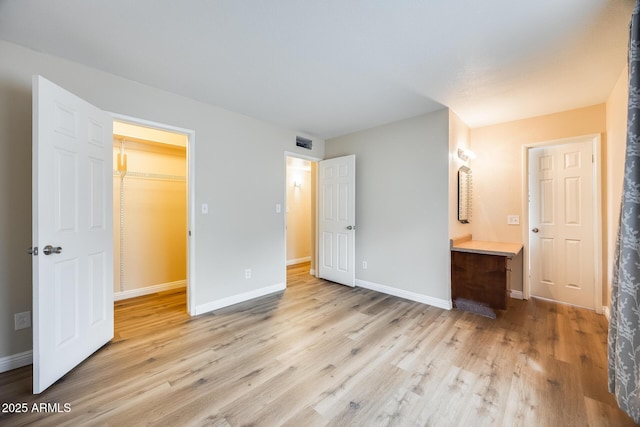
[[337, 185], [72, 231]]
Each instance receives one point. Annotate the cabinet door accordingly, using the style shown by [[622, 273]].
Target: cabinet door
[[479, 277]]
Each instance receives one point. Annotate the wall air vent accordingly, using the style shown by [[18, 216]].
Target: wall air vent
[[303, 142]]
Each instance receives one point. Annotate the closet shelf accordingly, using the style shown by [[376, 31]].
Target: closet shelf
[[144, 175]]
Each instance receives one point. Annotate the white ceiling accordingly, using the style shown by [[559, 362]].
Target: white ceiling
[[330, 67]]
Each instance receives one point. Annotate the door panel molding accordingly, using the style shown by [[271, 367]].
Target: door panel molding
[[336, 201], [596, 170], [72, 303]]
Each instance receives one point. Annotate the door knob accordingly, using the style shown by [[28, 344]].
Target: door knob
[[535, 230], [48, 250], [351, 227]]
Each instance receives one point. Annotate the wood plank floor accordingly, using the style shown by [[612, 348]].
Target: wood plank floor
[[323, 354]]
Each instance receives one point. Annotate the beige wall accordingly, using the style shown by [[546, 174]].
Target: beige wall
[[155, 218], [299, 218], [498, 165], [151, 135], [459, 137], [613, 171]]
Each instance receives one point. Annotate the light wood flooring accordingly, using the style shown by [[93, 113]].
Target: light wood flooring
[[324, 354]]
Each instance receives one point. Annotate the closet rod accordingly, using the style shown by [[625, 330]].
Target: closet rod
[[145, 175]]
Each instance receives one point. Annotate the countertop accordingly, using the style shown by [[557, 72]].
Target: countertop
[[467, 244]]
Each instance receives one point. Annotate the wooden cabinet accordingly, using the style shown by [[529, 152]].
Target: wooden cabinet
[[481, 277], [485, 271]]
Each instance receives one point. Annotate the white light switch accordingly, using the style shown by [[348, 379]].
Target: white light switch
[[205, 208], [513, 219], [278, 208]]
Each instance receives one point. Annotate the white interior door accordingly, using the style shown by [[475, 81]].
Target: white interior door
[[561, 219], [336, 225], [72, 229]]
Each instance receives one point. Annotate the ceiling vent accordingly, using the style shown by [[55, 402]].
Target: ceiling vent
[[303, 142]]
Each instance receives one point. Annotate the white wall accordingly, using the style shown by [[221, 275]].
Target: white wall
[[402, 204], [238, 172]]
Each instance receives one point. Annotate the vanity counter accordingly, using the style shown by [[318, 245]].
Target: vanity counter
[[487, 248]]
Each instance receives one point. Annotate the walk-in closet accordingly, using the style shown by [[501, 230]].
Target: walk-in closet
[[150, 211]]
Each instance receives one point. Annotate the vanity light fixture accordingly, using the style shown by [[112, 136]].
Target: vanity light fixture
[[465, 155]]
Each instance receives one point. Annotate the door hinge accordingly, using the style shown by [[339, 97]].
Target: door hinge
[[32, 251]]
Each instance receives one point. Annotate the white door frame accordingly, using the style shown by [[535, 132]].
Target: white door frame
[[315, 225], [191, 188], [596, 173]]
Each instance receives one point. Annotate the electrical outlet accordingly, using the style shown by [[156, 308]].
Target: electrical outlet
[[22, 320], [247, 273], [364, 265]]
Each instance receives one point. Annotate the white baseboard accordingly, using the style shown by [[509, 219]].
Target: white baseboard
[[517, 295], [312, 272], [236, 299], [607, 313], [16, 361], [298, 260], [424, 299], [132, 293]]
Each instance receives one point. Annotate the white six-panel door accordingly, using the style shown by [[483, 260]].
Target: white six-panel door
[[72, 229], [561, 223], [337, 193]]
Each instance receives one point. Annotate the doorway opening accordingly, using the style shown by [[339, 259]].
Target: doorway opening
[[150, 212], [300, 212], [562, 224]]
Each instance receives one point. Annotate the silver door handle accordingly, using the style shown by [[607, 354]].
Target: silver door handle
[[48, 250], [535, 230], [351, 227]]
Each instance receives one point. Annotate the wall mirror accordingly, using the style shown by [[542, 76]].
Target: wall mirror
[[465, 186]]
